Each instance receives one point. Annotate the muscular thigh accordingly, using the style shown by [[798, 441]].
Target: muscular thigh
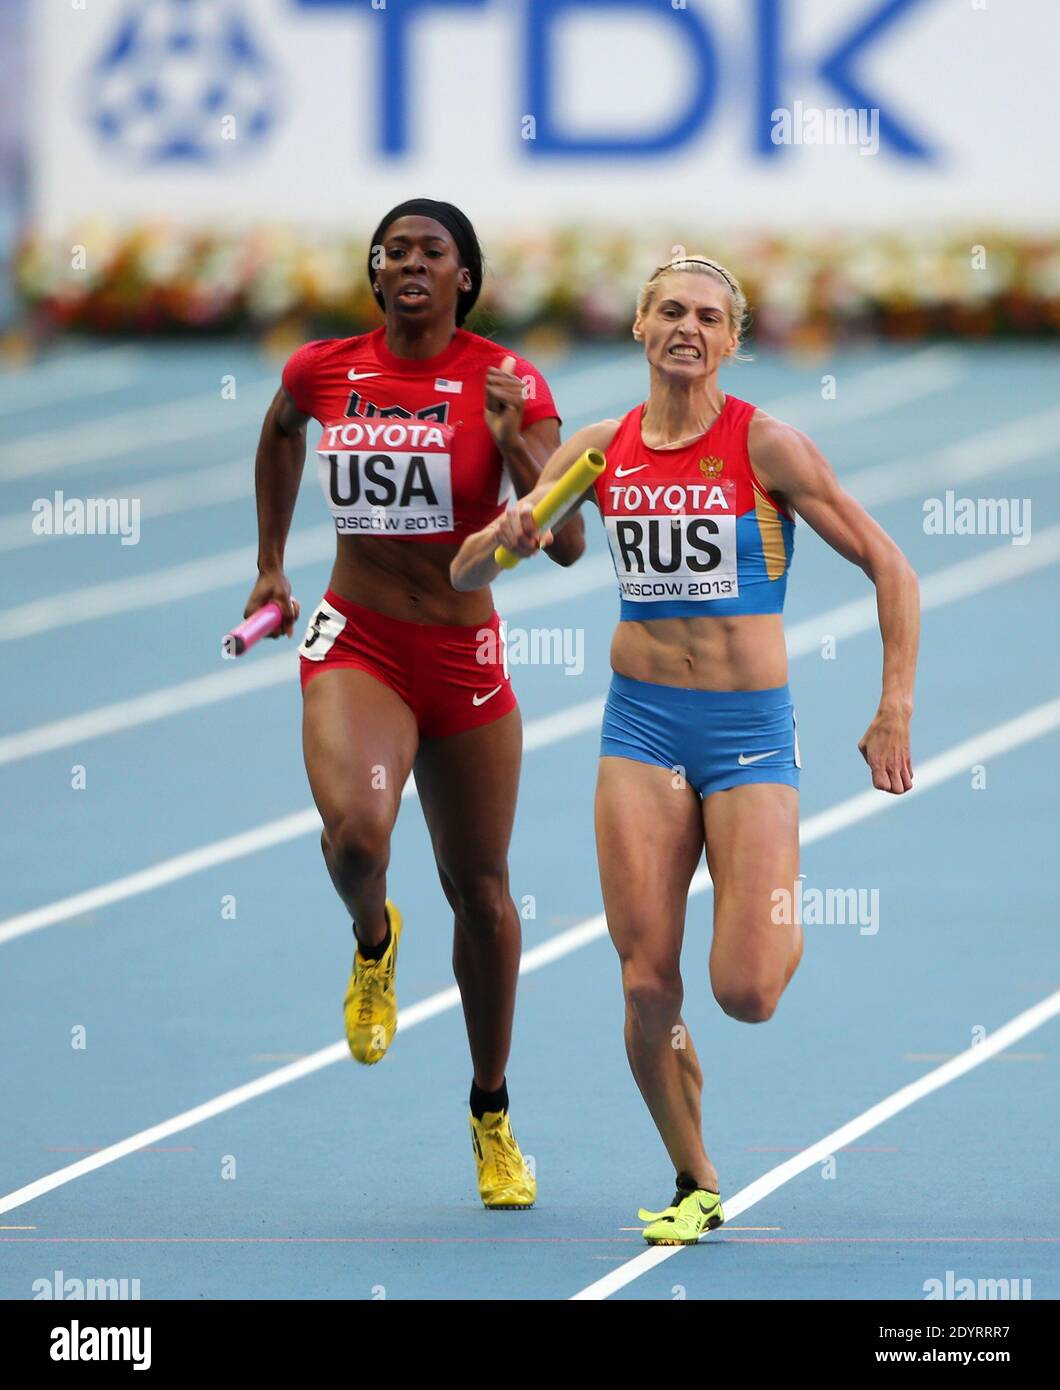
[[359, 739], [649, 838], [467, 784], [752, 836]]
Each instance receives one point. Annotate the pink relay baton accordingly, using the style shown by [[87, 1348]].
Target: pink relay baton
[[267, 619]]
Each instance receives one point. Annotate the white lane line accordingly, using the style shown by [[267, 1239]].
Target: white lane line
[[1006, 447], [997, 566], [873, 391], [526, 592], [176, 421], [275, 832], [594, 379], [539, 733], [957, 760], [246, 676], [172, 421], [990, 743], [235, 480], [993, 1044], [31, 387], [84, 355], [193, 577], [158, 497], [59, 366], [135, 433]]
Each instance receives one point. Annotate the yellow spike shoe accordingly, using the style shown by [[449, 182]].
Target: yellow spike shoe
[[693, 1212], [370, 1006], [505, 1182]]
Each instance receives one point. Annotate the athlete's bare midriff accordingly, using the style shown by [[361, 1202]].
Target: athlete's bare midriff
[[746, 652], [405, 580]]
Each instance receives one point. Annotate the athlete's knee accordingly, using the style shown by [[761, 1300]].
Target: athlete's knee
[[653, 998], [479, 901], [357, 846], [748, 1001]]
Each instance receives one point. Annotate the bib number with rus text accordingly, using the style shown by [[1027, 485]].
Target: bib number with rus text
[[673, 538]]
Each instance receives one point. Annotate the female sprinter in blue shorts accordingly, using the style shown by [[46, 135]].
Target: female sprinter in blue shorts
[[699, 745], [427, 428]]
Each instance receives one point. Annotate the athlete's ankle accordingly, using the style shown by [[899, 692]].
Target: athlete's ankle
[[377, 949], [495, 1102], [699, 1180]]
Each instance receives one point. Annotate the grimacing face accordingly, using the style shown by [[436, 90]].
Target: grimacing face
[[686, 331], [422, 275]]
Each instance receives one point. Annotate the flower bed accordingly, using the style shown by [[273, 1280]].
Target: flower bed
[[580, 281]]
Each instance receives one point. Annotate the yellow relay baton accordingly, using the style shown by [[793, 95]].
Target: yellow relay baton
[[559, 499]]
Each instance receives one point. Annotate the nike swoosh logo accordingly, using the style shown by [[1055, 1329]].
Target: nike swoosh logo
[[757, 757], [481, 699], [354, 375], [625, 472]]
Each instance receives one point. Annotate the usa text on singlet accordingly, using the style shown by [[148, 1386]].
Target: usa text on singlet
[[388, 477]]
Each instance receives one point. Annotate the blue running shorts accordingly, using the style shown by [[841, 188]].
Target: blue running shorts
[[715, 738]]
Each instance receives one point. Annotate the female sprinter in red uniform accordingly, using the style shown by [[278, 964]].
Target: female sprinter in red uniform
[[698, 742], [426, 429]]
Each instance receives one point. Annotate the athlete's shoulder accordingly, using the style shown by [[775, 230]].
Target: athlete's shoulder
[[492, 354], [308, 352], [299, 373], [627, 424], [600, 435], [539, 403], [323, 350], [769, 437], [784, 459], [310, 369], [739, 412], [341, 348], [475, 345]]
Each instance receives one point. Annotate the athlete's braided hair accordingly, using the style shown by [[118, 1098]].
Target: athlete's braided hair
[[738, 312]]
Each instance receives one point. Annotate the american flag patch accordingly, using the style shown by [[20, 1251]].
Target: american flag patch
[[453, 387]]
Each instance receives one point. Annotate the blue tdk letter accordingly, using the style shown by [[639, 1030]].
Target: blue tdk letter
[[540, 15], [393, 82], [834, 68]]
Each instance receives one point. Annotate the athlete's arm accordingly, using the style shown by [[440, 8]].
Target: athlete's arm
[[525, 449], [277, 474], [473, 566], [790, 465]]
